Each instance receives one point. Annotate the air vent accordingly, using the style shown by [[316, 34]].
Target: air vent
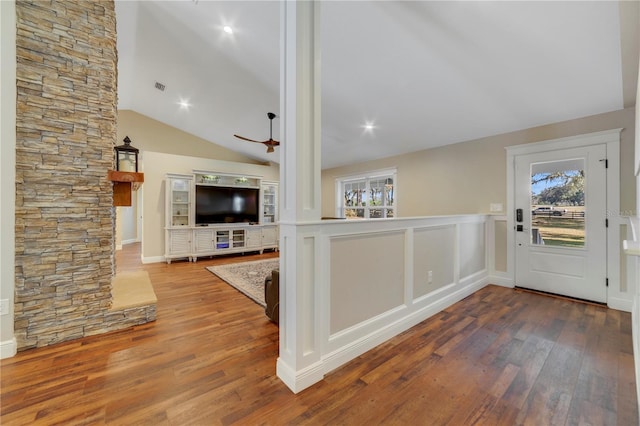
[[160, 86]]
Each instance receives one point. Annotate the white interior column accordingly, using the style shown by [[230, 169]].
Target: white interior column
[[299, 364]]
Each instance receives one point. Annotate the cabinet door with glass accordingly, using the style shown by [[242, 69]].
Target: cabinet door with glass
[[269, 202], [179, 203]]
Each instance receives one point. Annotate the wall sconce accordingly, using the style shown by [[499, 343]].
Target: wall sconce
[[126, 177], [126, 157]]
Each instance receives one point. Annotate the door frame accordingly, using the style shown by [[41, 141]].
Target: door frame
[[610, 138]]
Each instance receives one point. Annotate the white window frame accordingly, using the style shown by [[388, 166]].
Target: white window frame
[[367, 177]]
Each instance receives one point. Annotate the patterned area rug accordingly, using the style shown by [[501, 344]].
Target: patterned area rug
[[247, 277]]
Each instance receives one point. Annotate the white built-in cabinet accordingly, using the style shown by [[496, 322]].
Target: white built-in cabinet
[[178, 216], [183, 239], [253, 238], [269, 236], [269, 202]]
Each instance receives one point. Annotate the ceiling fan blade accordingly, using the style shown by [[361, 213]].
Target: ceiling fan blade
[[247, 139], [270, 143]]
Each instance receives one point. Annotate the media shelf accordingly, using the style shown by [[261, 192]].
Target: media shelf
[[235, 238], [238, 238], [222, 240], [187, 235]]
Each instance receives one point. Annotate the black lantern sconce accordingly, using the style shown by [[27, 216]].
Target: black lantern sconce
[[126, 157]]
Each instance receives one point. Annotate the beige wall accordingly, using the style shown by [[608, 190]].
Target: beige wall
[[148, 134], [465, 178]]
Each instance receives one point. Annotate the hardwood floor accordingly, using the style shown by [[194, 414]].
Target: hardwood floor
[[499, 357]]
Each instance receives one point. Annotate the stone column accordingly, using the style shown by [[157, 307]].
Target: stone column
[[299, 364], [8, 345]]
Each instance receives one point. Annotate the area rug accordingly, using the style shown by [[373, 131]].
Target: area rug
[[247, 277]]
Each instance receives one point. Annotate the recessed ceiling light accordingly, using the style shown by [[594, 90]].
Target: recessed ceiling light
[[369, 126], [184, 104], [227, 29]]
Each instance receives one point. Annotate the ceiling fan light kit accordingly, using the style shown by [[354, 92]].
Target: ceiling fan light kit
[[269, 143]]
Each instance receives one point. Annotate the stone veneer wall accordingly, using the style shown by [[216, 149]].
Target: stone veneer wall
[[66, 130]]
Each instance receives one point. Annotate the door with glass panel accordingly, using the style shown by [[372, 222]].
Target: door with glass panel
[[561, 234]]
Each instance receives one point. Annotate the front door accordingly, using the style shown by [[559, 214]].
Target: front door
[[561, 234]]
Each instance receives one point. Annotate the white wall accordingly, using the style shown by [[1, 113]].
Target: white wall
[[128, 216], [7, 171], [127, 223], [155, 166]]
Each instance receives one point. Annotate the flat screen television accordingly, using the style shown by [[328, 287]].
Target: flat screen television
[[220, 204]]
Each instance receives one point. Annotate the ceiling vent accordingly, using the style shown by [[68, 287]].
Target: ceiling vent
[[160, 86]]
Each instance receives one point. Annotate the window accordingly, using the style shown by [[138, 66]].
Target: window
[[368, 196]]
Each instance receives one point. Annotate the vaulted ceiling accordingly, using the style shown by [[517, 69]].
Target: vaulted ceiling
[[423, 74]]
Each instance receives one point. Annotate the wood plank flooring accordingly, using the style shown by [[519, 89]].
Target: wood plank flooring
[[499, 357]]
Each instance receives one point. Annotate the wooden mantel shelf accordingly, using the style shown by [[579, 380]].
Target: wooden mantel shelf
[[117, 176], [123, 184]]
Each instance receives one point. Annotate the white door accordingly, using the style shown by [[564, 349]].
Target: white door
[[561, 234]]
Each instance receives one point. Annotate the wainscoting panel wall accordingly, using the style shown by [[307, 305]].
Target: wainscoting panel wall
[[308, 296], [472, 249], [378, 278], [625, 234], [367, 277], [500, 245], [433, 259]]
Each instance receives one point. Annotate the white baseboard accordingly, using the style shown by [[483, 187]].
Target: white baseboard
[[501, 280], [298, 381], [154, 259], [8, 348], [131, 241], [346, 353], [624, 305]]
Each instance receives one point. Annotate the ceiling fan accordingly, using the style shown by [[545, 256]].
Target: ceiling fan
[[270, 143]]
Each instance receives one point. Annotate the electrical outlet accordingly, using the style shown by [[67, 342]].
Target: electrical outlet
[[4, 307], [429, 277], [495, 207]]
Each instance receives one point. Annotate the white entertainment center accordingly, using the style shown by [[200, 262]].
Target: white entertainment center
[[209, 213]]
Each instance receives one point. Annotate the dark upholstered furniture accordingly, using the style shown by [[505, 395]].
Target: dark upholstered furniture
[[272, 295]]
